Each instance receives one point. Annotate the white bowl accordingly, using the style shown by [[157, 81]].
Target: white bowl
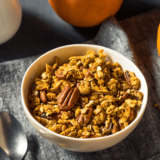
[[75, 144]]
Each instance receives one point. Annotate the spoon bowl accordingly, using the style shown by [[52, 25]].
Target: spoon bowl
[[12, 137]]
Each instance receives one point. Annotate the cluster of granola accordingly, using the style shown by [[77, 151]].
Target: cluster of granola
[[87, 97]]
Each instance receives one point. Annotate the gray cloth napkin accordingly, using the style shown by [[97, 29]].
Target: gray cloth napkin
[[136, 39]]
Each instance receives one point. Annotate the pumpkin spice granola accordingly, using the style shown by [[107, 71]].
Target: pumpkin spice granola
[[87, 97]]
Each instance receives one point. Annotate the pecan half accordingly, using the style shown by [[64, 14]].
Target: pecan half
[[59, 74], [80, 118], [124, 97], [54, 117], [68, 98], [58, 116], [85, 119]]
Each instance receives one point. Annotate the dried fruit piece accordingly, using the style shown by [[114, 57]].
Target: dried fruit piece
[[54, 117], [43, 96]]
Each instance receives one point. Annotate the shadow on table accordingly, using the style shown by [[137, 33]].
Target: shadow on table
[[87, 33], [33, 37], [132, 8]]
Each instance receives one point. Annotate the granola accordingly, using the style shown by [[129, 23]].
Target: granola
[[87, 97]]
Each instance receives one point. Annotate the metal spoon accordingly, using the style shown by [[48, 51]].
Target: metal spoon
[[12, 137], [3, 155]]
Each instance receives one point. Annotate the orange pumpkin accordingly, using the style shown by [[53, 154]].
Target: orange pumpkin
[[85, 13], [158, 39]]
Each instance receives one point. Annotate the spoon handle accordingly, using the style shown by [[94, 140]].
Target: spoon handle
[[3, 155]]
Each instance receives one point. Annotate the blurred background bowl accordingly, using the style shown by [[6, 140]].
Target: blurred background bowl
[[10, 19]]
